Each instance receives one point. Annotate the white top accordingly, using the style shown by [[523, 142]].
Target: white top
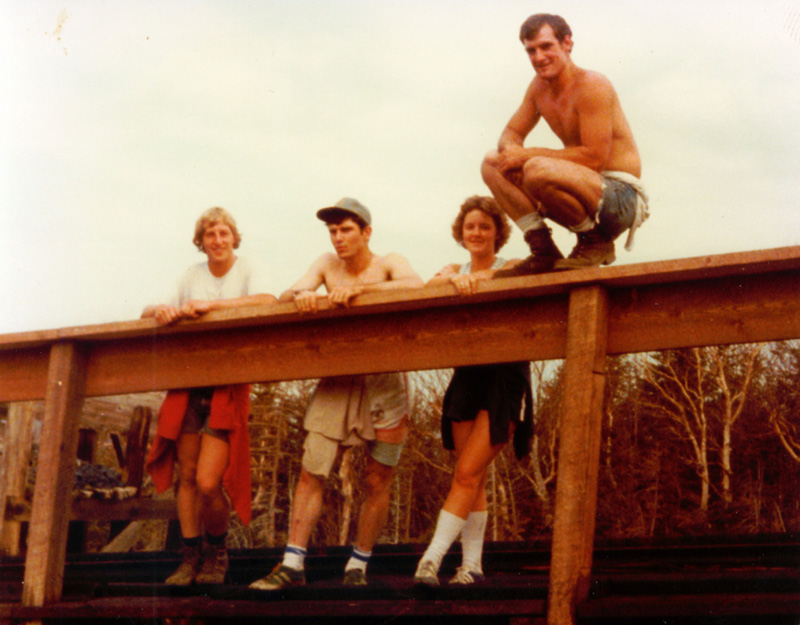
[[467, 267], [246, 277]]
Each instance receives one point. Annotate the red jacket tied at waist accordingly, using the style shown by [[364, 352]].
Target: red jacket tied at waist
[[230, 409]]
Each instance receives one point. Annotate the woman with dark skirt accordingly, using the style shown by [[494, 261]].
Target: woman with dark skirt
[[484, 406]]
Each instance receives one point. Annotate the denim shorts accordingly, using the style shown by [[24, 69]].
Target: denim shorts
[[617, 208], [195, 420]]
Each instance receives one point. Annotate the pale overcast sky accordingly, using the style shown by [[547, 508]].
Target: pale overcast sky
[[122, 120]]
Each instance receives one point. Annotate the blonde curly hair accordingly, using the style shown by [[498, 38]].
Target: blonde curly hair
[[213, 216]]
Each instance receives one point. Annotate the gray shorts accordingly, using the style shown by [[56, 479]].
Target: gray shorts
[[195, 420], [617, 207], [320, 453]]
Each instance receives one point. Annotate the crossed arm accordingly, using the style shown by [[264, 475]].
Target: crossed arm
[[585, 127]]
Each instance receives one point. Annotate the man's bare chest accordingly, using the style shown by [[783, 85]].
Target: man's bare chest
[[562, 116], [339, 276]]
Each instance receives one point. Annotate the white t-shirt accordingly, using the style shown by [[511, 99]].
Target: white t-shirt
[[246, 277]]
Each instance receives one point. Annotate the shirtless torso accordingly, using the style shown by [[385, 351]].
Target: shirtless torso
[[565, 185], [568, 110], [353, 269]]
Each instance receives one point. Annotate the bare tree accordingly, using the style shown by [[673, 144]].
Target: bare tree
[[732, 368], [681, 384], [783, 402], [540, 469]]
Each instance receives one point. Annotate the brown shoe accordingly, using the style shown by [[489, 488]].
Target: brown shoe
[[187, 571], [544, 254], [214, 567], [594, 248]]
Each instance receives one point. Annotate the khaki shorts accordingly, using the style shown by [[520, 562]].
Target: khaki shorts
[[320, 453]]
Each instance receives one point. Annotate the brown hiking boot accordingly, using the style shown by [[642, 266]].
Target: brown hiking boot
[[187, 571], [215, 565], [544, 254], [594, 248]]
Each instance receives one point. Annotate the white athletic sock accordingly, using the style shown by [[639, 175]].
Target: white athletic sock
[[472, 541], [531, 221], [447, 529], [294, 557], [358, 560], [586, 225]]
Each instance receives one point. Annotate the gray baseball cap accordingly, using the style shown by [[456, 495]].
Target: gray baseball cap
[[346, 205]]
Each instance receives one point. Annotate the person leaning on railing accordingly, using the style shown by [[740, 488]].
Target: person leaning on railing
[[204, 430]]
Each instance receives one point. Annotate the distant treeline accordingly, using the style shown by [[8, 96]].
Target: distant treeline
[[695, 442]]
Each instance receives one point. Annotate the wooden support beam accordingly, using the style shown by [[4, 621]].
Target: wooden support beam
[[578, 453], [135, 508], [14, 474], [136, 448], [44, 563]]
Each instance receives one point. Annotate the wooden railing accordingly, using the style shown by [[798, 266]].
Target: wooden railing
[[580, 315]]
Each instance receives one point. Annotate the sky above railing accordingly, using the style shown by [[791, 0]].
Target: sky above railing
[[122, 121]]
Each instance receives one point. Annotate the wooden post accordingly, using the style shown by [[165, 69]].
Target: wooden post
[[55, 476], [19, 438], [136, 448], [578, 454]]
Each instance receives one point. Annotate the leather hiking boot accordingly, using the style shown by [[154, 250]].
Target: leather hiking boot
[[544, 254], [594, 248], [187, 571], [214, 567]]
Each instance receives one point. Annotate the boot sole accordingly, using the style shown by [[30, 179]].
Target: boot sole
[[568, 263]]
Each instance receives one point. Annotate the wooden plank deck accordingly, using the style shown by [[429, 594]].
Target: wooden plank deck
[[677, 581]]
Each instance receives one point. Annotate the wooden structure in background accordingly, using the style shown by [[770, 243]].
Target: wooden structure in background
[[581, 315], [12, 480]]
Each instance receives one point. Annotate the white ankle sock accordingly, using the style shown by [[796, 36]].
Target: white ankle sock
[[472, 541], [447, 529], [294, 557], [531, 221], [586, 225], [358, 560]]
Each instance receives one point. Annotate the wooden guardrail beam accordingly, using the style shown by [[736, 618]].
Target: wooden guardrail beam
[[730, 298]]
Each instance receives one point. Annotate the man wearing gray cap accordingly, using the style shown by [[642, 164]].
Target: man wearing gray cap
[[346, 410]]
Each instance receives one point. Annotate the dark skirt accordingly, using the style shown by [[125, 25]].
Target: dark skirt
[[503, 390]]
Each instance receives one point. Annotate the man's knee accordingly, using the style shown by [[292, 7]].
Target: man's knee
[[489, 169], [187, 473], [208, 485], [377, 479], [538, 172], [308, 482]]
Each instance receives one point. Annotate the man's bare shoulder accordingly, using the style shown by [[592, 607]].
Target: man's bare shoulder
[[589, 82], [392, 261], [535, 89], [327, 261], [392, 257]]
